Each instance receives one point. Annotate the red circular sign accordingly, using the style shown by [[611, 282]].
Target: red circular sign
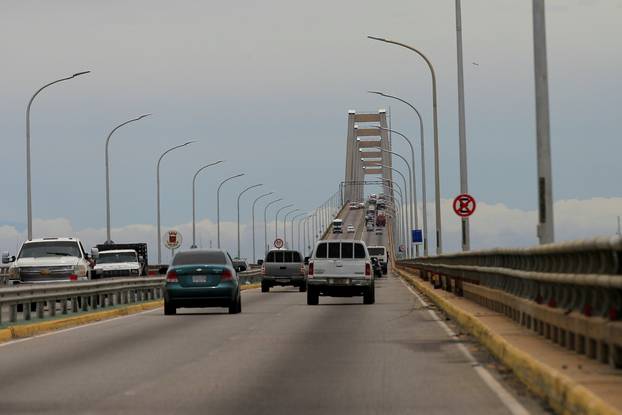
[[464, 205], [278, 243]]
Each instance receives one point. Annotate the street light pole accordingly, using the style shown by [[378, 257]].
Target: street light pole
[[108, 238], [253, 209], [285, 226], [546, 231], [265, 223], [292, 227], [238, 204], [437, 179], [159, 238], [28, 165], [194, 182], [218, 203], [424, 197], [276, 221], [464, 188]]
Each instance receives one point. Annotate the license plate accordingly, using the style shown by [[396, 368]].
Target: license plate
[[199, 278], [342, 281], [283, 280]]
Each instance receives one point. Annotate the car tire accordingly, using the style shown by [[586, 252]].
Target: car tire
[[369, 296], [303, 287], [169, 309], [236, 306], [265, 288], [313, 296]]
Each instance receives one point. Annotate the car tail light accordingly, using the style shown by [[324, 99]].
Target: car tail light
[[73, 277], [226, 275], [171, 276], [367, 269], [310, 269]]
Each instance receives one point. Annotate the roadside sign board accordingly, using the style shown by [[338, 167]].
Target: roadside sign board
[[417, 236], [172, 239], [464, 205], [278, 243]]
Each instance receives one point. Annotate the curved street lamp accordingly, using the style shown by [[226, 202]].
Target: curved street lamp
[[238, 204], [437, 180], [218, 202], [194, 186], [293, 219], [253, 215], [265, 222], [276, 220], [28, 166], [108, 238], [285, 225], [159, 238]]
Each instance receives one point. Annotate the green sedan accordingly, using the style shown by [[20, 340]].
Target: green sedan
[[202, 278]]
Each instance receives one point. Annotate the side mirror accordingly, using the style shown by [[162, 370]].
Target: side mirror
[[162, 270], [94, 253], [6, 258]]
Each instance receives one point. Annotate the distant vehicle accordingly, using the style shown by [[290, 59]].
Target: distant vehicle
[[381, 219], [380, 252], [376, 267], [202, 278], [373, 196], [361, 205], [283, 267], [371, 210], [47, 260], [119, 263], [139, 247], [337, 226], [240, 264], [378, 231], [369, 226], [340, 268], [350, 229], [354, 205]]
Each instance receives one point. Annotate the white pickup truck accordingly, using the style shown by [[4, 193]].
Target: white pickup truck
[[340, 268]]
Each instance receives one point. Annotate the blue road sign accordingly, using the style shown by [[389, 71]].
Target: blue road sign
[[417, 236]]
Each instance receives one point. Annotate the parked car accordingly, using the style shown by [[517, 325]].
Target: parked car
[[118, 263], [46, 260], [380, 252], [340, 268], [202, 278], [350, 229], [283, 267]]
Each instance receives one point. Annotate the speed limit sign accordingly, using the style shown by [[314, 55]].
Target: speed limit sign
[[278, 243]]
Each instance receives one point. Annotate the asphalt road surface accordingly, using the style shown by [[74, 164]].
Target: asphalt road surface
[[279, 356]]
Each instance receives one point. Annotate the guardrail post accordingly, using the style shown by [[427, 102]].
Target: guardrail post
[[13, 313], [52, 308]]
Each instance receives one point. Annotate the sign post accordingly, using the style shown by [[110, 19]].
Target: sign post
[[172, 240]]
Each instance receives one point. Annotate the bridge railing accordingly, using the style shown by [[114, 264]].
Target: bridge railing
[[569, 292], [37, 301]]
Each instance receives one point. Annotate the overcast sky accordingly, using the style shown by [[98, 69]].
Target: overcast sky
[[267, 86]]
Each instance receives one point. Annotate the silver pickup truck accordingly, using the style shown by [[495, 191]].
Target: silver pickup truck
[[340, 268], [283, 267]]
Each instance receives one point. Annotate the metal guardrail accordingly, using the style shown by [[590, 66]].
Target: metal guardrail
[[46, 300], [569, 292]]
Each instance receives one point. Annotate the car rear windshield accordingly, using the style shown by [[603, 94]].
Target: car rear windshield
[[200, 257], [283, 256], [340, 250], [116, 257], [376, 251], [50, 249]]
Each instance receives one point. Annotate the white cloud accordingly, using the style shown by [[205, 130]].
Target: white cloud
[[492, 225]]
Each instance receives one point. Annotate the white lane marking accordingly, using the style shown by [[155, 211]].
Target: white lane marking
[[82, 326], [508, 400]]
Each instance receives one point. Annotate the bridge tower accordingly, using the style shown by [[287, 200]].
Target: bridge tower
[[363, 141]]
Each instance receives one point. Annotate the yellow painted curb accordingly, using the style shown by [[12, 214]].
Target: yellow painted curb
[[561, 392], [5, 335]]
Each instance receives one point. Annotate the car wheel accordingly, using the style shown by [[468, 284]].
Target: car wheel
[[313, 296], [303, 287], [236, 306], [169, 309], [369, 297], [265, 288]]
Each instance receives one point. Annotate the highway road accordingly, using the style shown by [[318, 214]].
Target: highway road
[[279, 356]]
